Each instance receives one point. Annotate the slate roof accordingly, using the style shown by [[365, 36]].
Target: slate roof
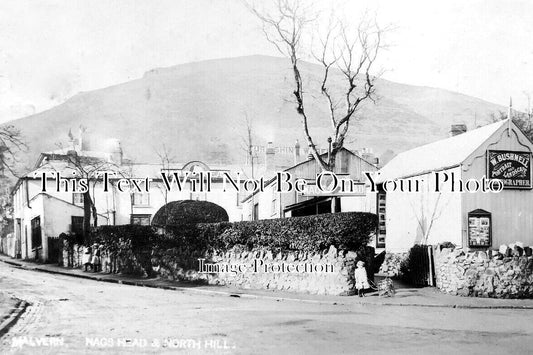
[[439, 155]]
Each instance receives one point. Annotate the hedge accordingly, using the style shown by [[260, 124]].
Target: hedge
[[348, 230]]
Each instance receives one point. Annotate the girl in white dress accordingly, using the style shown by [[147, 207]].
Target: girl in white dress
[[361, 279]]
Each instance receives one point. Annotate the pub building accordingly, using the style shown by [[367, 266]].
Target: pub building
[[475, 220]]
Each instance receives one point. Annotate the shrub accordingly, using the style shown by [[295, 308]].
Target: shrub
[[178, 213]]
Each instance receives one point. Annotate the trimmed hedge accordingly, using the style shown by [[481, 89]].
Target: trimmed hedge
[[348, 231]]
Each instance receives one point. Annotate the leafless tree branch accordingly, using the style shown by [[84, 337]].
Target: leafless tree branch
[[352, 50]]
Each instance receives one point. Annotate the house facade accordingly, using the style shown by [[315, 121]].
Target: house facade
[[457, 200], [41, 216]]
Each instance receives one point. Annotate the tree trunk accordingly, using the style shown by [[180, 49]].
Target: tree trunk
[[86, 217]]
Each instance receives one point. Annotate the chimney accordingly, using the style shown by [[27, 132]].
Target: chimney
[[83, 142], [457, 129], [297, 152], [115, 151], [269, 157], [368, 155]]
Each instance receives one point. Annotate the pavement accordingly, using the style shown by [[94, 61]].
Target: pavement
[[405, 295]]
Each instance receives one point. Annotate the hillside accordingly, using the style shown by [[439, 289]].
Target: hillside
[[198, 109]]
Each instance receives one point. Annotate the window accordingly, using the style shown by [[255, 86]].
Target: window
[[141, 219], [77, 225], [274, 207], [36, 239], [77, 198], [255, 213], [141, 199]]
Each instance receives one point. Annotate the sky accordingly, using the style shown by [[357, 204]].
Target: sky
[[51, 50]]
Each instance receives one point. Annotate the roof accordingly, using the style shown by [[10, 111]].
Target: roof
[[59, 162], [272, 175], [439, 155]]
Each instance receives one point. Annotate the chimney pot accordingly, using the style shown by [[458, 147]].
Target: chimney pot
[[457, 129], [296, 152], [269, 156]]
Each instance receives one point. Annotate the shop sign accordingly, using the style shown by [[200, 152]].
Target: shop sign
[[512, 168]]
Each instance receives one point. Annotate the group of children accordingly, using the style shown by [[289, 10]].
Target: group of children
[[98, 254]]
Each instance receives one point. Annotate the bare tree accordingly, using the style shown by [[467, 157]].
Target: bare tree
[[352, 50], [521, 119], [425, 222], [165, 158], [247, 143], [11, 143], [89, 169]]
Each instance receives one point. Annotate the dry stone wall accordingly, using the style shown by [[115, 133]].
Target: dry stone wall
[[391, 264], [503, 273], [327, 273]]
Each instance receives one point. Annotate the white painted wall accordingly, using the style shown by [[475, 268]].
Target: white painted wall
[[409, 217]]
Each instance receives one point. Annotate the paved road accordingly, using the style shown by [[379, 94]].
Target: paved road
[[76, 315]]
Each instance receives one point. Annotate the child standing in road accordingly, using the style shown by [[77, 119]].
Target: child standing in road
[[361, 279]]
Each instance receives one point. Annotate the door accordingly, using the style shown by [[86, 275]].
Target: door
[[18, 241]]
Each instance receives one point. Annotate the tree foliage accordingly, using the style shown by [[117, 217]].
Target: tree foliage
[[11, 143]]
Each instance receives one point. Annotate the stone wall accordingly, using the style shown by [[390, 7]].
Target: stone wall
[[254, 276], [505, 273], [327, 273], [391, 264]]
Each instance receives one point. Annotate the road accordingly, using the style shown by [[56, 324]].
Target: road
[[73, 315]]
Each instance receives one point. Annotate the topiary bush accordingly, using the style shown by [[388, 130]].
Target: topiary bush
[[178, 213]]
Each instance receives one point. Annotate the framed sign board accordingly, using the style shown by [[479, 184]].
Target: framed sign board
[[511, 167], [382, 229], [479, 228]]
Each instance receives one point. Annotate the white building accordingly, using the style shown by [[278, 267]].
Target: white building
[[41, 216], [469, 219]]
